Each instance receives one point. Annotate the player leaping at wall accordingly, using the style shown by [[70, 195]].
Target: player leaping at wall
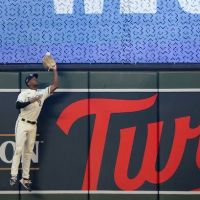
[[30, 102]]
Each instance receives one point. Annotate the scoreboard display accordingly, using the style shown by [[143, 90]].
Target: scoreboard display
[[100, 31]]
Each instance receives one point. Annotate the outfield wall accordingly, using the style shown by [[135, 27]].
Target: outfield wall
[[109, 135]]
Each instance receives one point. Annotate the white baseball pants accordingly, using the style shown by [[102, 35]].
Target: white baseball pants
[[25, 135]]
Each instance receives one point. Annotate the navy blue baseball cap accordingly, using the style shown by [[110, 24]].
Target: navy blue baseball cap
[[29, 77]]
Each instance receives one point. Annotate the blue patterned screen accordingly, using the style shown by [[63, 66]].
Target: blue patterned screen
[[100, 31]]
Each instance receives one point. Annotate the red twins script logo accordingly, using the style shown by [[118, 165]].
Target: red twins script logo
[[102, 109]]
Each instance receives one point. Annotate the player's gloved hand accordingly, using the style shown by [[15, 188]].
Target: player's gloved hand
[[36, 98], [48, 61]]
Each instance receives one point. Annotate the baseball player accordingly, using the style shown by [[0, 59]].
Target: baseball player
[[29, 102]]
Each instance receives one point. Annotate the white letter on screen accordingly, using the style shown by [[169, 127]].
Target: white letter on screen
[[66, 6], [190, 6], [63, 6], [138, 6]]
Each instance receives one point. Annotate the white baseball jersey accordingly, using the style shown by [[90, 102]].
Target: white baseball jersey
[[32, 111]]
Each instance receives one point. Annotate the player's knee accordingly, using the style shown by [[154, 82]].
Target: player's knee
[[18, 151], [29, 151]]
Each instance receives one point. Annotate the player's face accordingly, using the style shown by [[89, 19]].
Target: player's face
[[33, 82]]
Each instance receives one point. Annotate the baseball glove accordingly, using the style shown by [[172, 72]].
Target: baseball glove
[[48, 61]]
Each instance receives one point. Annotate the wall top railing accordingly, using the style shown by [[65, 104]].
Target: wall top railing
[[103, 67]]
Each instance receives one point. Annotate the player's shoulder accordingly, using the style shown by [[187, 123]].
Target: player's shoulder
[[43, 89], [25, 92]]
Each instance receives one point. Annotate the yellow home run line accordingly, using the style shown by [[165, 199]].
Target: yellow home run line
[[10, 135], [8, 168]]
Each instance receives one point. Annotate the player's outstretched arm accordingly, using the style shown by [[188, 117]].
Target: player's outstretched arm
[[54, 84]]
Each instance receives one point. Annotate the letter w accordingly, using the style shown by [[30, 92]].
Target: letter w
[[126, 6], [90, 6]]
